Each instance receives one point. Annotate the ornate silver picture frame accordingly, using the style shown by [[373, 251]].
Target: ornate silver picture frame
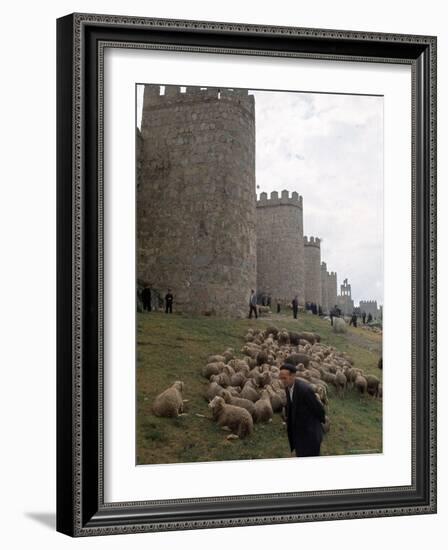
[[82, 509]]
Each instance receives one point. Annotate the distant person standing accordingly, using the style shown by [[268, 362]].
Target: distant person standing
[[295, 306], [363, 317], [354, 320], [169, 298], [253, 304], [369, 318], [278, 306], [146, 299]]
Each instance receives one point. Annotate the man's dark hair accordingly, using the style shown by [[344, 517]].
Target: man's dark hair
[[289, 367]]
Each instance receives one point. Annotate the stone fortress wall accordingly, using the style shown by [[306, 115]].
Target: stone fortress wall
[[313, 280], [280, 250], [196, 197], [370, 306], [200, 229]]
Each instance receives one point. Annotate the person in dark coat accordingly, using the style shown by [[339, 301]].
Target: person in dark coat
[[305, 414], [295, 306], [369, 318], [146, 299], [169, 298], [253, 304], [363, 317], [354, 320]]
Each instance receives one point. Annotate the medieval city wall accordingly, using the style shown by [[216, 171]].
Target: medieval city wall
[[369, 306]]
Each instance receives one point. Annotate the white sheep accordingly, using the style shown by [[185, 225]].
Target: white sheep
[[169, 403], [237, 419], [263, 408]]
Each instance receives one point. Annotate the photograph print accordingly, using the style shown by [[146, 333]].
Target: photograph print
[[259, 274]]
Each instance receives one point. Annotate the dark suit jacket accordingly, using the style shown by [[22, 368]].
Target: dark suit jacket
[[303, 419]]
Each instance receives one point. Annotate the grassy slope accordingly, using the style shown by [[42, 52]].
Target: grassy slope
[[175, 347]]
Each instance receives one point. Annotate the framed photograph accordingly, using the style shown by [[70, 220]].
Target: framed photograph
[[246, 274]]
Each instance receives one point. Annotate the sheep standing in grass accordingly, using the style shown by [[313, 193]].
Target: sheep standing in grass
[[339, 326], [263, 408], [169, 403], [238, 420], [372, 385], [361, 384], [340, 382]]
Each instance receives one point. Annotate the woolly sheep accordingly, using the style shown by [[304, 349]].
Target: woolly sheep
[[216, 359], [213, 390], [239, 402], [361, 384], [339, 325], [311, 337], [283, 337], [278, 399], [222, 379], [237, 419], [340, 382], [249, 391], [372, 385], [263, 408], [212, 368], [296, 358], [228, 355], [238, 379], [169, 403]]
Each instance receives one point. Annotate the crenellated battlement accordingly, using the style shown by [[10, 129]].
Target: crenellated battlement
[[158, 96], [284, 199], [367, 302], [311, 241]]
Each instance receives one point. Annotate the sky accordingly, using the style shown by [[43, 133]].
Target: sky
[[328, 148]]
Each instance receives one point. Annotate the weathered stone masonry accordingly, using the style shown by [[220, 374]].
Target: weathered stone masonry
[[313, 281], [280, 254], [200, 229], [196, 198]]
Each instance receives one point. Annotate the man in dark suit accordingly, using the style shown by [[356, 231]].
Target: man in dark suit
[[305, 414]]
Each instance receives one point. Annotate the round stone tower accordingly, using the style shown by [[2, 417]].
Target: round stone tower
[[280, 251], [196, 198], [324, 288], [313, 282], [332, 289]]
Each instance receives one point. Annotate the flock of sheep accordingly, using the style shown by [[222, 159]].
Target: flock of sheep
[[243, 391]]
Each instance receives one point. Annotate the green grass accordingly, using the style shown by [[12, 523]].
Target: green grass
[[176, 347]]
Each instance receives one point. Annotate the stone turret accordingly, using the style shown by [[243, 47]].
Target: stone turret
[[313, 281], [280, 247], [332, 288], [345, 301], [369, 306], [196, 197]]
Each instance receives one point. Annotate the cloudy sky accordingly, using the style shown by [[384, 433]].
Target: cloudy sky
[[328, 148]]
